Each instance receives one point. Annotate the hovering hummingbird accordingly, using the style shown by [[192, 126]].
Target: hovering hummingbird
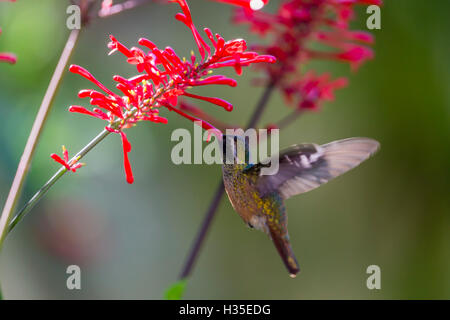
[[259, 199]]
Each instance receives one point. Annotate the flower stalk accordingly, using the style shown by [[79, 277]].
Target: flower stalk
[[43, 190], [35, 134]]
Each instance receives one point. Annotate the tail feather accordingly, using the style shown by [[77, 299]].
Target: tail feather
[[286, 253]]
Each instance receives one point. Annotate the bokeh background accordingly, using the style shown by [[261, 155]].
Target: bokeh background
[[131, 240]]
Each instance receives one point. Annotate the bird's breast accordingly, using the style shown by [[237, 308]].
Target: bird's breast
[[241, 193], [246, 200]]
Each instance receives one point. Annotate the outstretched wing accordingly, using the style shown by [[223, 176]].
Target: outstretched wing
[[305, 167]]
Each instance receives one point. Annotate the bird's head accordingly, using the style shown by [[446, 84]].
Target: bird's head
[[235, 149]]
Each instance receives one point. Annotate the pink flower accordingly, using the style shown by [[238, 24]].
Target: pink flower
[[72, 165], [312, 89], [107, 4], [4, 56], [164, 77], [355, 55], [7, 57]]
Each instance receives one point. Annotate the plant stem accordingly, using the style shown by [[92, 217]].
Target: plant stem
[[201, 234], [262, 103], [35, 133], [43, 190], [291, 117], [212, 209]]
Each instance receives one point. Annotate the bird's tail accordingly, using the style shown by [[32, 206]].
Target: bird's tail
[[285, 250]]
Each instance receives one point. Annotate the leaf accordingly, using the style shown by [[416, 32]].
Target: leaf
[[176, 290]]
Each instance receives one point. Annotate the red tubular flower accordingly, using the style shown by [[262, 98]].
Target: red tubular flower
[[248, 4], [270, 127], [225, 104], [355, 55], [72, 165], [107, 4], [7, 57], [200, 114], [295, 27], [126, 163], [163, 77], [312, 90]]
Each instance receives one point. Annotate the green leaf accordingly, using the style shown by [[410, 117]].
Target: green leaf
[[176, 290]]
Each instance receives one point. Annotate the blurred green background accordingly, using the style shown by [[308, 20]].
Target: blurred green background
[[131, 240]]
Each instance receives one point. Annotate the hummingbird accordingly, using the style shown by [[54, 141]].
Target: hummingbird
[[259, 199]]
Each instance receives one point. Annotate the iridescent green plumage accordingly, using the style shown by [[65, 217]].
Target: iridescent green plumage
[[267, 213]]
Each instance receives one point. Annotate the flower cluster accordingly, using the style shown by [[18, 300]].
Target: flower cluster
[[70, 165], [4, 56], [109, 8], [312, 89], [296, 27], [163, 77]]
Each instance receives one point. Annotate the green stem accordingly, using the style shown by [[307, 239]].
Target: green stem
[[36, 130], [42, 191]]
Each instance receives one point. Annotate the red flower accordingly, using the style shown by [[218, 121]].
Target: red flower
[[107, 4], [295, 28], [71, 165], [355, 55], [248, 4], [163, 77], [312, 90], [4, 56], [270, 127], [7, 57]]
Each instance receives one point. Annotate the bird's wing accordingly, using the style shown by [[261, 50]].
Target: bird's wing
[[305, 167]]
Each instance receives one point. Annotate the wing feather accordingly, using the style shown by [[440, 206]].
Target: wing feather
[[305, 167]]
